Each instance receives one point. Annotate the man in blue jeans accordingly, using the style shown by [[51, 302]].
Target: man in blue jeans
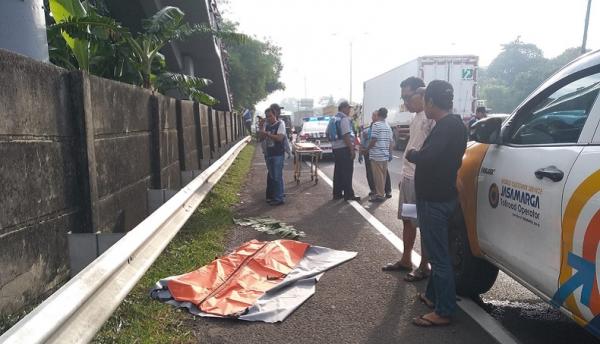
[[273, 135], [436, 167]]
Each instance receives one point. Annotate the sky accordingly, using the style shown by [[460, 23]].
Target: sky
[[316, 36]]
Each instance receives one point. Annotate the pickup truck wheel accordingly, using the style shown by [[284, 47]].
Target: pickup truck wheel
[[473, 276]]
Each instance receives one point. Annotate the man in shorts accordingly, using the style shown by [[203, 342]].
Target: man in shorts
[[412, 94]]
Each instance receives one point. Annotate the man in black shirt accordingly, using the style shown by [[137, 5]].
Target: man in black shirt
[[437, 164]]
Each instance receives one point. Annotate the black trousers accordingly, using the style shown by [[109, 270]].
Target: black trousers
[[388, 183], [342, 173]]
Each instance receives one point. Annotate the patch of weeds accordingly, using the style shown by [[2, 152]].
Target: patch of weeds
[[139, 319]]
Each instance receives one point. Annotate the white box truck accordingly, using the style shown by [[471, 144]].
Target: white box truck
[[384, 89]]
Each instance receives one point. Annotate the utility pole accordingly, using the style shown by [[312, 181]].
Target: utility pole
[[23, 28], [350, 99], [585, 30]]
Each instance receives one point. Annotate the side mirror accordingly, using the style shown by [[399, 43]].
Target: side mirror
[[486, 130]]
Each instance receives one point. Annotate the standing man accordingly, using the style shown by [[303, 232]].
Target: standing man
[[380, 152], [288, 132], [364, 143], [412, 90], [343, 154], [274, 135], [437, 164], [480, 113], [247, 116]]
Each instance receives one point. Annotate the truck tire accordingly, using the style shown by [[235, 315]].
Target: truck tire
[[473, 276]]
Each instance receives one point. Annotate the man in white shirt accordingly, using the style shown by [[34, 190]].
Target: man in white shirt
[[412, 94]]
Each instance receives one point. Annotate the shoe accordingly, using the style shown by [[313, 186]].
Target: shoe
[[355, 198], [269, 200], [337, 197], [388, 195], [377, 199], [276, 203]]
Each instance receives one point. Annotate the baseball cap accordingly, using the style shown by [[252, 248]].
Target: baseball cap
[[344, 104], [276, 106]]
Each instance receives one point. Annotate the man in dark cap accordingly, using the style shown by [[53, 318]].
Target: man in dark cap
[[343, 154], [436, 167]]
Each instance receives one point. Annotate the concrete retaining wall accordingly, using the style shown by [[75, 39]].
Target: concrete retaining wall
[[79, 154]]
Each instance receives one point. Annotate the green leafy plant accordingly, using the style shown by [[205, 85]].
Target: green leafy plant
[[134, 58], [270, 226]]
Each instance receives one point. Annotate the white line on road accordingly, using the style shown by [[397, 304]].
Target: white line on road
[[489, 324]]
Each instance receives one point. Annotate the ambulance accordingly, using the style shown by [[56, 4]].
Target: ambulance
[[529, 191]]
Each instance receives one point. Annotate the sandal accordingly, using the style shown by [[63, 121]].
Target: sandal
[[421, 297], [396, 267], [424, 322], [416, 275]]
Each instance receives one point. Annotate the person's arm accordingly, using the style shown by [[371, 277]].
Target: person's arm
[[430, 152], [345, 126], [280, 135]]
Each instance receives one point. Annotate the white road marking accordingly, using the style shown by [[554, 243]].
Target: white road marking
[[396, 157], [481, 317]]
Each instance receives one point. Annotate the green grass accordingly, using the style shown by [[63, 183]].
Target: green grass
[[140, 319]]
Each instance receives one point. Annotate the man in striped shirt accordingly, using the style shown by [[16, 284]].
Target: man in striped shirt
[[380, 152]]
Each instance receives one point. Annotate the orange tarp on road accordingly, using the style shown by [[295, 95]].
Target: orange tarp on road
[[230, 284]]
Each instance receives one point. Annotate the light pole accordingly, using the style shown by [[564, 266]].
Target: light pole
[[350, 98], [23, 28], [585, 30]]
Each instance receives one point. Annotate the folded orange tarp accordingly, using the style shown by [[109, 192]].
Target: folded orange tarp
[[230, 284]]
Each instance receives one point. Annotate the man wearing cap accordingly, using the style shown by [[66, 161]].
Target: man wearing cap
[[288, 130], [273, 134], [343, 154]]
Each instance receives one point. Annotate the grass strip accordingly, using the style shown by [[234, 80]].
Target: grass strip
[[140, 319]]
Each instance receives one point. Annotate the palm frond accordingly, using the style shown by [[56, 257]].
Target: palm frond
[[165, 21]]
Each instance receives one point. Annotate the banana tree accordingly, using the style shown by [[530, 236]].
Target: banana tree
[[63, 10], [142, 51]]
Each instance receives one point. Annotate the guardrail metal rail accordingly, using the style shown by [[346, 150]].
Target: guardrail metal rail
[[75, 312]]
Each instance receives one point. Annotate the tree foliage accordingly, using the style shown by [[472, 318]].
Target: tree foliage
[[100, 45], [518, 70], [254, 70]]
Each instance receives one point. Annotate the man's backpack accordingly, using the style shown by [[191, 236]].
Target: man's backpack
[[333, 128]]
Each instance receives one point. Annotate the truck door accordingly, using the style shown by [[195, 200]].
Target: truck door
[[578, 283], [522, 180]]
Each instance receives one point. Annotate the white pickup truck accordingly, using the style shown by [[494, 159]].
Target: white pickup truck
[[529, 191]]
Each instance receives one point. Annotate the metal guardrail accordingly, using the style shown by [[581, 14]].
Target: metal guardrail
[[75, 312]]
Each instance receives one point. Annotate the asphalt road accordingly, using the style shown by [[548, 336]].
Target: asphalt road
[[355, 302], [527, 317]]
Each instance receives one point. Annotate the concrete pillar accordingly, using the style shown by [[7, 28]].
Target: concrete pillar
[[23, 28], [188, 66]]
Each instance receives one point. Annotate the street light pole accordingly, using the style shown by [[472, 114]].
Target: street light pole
[[585, 30], [350, 99]]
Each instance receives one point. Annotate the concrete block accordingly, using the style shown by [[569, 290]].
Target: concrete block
[[37, 178], [119, 108], [121, 162], [34, 98], [34, 260], [123, 210]]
